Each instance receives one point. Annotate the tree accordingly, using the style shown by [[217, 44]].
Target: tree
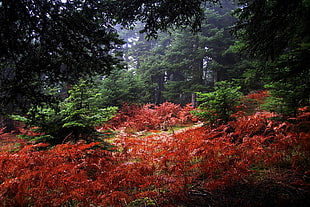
[[122, 86], [72, 119], [277, 34], [47, 43], [51, 42], [159, 15], [147, 59], [184, 67], [221, 62], [190, 62], [272, 27]]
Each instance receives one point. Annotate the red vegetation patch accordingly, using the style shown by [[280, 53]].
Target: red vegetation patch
[[260, 96], [151, 117], [251, 102], [194, 167]]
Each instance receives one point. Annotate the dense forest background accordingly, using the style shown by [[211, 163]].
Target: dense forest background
[[257, 45], [179, 63]]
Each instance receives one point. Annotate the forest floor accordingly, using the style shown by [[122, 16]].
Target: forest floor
[[274, 186], [9, 142], [252, 161]]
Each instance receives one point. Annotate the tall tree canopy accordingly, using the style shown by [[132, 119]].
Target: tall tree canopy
[[160, 14], [50, 42], [55, 42], [272, 27], [274, 30], [45, 42]]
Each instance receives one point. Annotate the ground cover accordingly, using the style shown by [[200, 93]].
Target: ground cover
[[255, 160]]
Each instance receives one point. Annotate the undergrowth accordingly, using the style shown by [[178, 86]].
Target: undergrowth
[[201, 166], [152, 117]]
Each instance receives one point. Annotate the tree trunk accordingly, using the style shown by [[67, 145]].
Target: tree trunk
[[194, 102]]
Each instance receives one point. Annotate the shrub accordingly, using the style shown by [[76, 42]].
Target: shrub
[[285, 98], [217, 106], [70, 120]]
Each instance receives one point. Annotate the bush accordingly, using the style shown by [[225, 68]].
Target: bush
[[217, 106], [287, 97], [70, 120]]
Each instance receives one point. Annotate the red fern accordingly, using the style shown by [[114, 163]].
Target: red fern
[[161, 167], [151, 117], [259, 96]]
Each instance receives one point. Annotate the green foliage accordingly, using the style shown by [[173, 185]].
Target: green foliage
[[272, 28], [223, 61], [288, 81], [179, 63], [44, 43], [51, 42], [146, 202], [73, 119], [122, 86], [217, 106], [159, 15], [180, 92], [286, 97], [277, 34]]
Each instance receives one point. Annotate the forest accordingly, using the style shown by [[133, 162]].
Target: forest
[[155, 103]]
